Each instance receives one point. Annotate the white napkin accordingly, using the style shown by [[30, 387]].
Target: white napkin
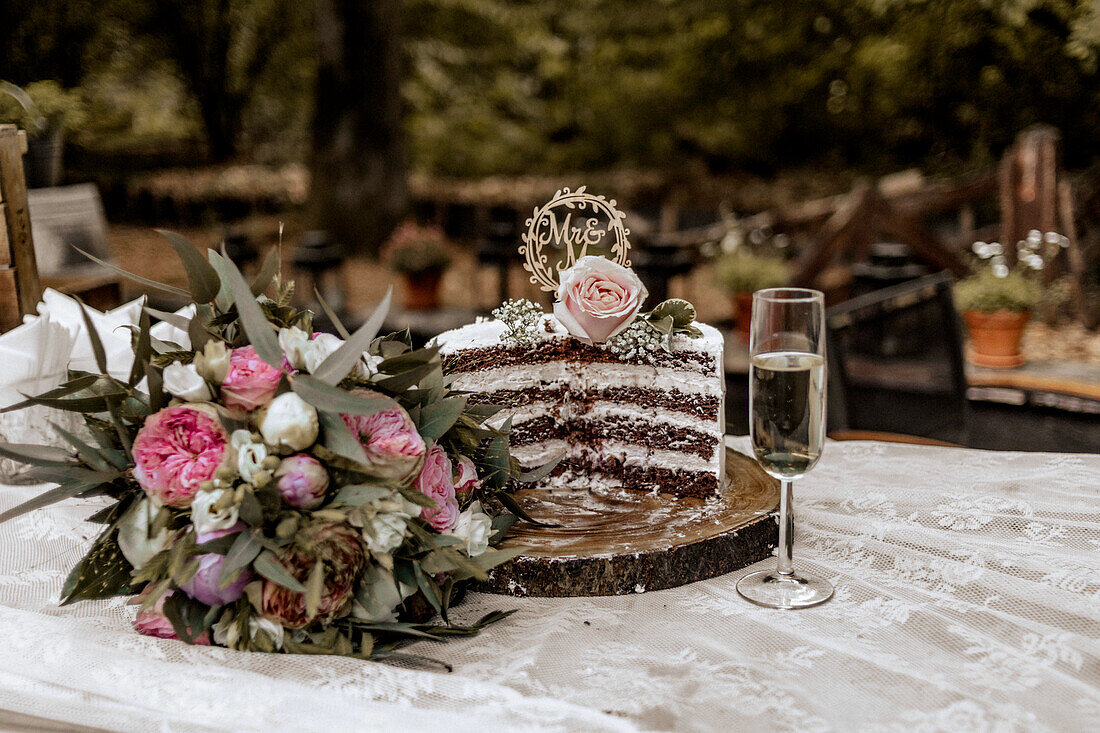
[[165, 331], [111, 327], [35, 357]]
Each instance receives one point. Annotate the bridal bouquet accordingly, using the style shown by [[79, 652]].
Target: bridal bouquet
[[274, 488]]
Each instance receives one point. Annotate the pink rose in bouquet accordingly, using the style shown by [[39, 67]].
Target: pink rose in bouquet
[[177, 449], [205, 586], [250, 382], [598, 298], [393, 446], [341, 550], [153, 622], [435, 482], [302, 481], [467, 481]]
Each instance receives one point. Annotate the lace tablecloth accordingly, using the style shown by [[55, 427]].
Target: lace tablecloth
[[967, 598]]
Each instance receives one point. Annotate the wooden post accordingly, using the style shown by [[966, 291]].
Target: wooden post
[[1029, 186], [18, 267]]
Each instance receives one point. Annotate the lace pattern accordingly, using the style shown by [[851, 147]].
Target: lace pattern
[[967, 598]]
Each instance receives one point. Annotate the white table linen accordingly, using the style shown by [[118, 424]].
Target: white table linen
[[967, 598]]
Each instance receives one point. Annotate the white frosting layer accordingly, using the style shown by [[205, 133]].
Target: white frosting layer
[[588, 376], [631, 455]]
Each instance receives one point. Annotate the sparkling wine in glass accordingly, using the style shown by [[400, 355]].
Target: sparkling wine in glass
[[787, 425]]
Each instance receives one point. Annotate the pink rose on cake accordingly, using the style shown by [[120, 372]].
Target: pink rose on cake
[[393, 446], [250, 382], [598, 298], [436, 483], [177, 449]]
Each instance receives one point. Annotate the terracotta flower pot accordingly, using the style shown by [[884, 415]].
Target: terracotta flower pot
[[742, 314], [422, 290], [995, 338]]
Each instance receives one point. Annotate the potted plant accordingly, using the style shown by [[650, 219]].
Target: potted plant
[[741, 273], [419, 254], [47, 112], [996, 304]]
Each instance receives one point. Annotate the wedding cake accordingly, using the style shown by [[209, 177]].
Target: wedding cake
[[629, 398]]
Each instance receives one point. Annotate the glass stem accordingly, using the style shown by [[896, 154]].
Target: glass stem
[[786, 529]]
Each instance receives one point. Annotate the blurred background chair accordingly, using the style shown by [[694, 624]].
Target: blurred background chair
[[896, 364]]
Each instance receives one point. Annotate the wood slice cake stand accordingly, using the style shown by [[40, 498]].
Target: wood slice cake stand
[[612, 541]]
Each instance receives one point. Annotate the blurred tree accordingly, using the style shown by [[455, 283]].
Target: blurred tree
[[221, 48], [358, 190], [47, 39]]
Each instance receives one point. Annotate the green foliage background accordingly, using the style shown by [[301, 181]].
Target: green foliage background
[[509, 86]]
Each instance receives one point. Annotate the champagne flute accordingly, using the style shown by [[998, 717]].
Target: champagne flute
[[787, 425]]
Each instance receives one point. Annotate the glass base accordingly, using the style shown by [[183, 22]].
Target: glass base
[[769, 589]]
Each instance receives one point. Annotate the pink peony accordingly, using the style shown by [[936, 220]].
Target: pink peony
[[302, 481], [435, 481], [598, 298], [177, 449], [153, 622], [250, 382], [204, 586], [341, 550], [393, 446], [467, 481]]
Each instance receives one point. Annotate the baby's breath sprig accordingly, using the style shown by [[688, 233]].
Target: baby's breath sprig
[[522, 319], [638, 341]]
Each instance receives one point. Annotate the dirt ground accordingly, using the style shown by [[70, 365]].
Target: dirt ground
[[467, 285]]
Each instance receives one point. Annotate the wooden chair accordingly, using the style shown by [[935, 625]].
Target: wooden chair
[[20, 289], [896, 369]]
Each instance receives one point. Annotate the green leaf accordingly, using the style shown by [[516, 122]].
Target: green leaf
[[328, 311], [54, 495], [438, 417], [136, 278], [87, 453], [70, 387], [37, 455], [337, 365], [244, 550], [333, 399], [401, 382], [172, 319], [513, 506], [255, 324], [536, 474], [201, 276], [143, 349], [171, 611], [93, 336], [680, 311], [339, 440], [102, 573], [267, 272], [267, 565], [498, 460], [314, 585]]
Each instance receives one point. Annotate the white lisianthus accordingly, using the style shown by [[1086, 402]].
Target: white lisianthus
[[207, 517], [322, 347], [385, 522], [227, 635], [289, 421], [378, 596], [183, 381], [165, 331], [250, 455], [295, 344], [475, 527], [213, 362], [133, 533]]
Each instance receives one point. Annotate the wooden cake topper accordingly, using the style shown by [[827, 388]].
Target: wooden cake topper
[[553, 224]]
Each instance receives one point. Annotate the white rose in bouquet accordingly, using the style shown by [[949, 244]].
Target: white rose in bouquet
[[227, 635], [475, 527], [289, 421], [185, 382], [213, 362], [384, 522], [212, 510], [250, 456], [133, 533], [295, 344]]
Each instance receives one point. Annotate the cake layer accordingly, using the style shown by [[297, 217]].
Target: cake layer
[[704, 407], [654, 423]]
